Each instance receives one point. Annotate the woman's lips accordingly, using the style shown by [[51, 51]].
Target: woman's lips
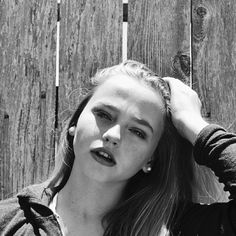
[[103, 156]]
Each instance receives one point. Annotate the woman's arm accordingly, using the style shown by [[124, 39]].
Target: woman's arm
[[214, 147]]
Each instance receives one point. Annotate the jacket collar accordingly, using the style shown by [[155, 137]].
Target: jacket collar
[[37, 193]]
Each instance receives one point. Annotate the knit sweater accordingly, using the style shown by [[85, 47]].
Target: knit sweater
[[28, 213]]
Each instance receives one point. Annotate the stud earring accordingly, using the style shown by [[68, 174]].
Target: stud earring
[[71, 131], [147, 169]]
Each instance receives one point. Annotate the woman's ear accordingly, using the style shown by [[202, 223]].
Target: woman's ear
[[148, 167], [71, 131]]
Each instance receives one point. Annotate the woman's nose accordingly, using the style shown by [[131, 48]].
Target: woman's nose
[[112, 136]]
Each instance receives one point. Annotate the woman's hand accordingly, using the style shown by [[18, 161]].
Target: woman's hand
[[185, 109]]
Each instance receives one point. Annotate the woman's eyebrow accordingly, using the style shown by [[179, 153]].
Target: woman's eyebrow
[[143, 122], [111, 107]]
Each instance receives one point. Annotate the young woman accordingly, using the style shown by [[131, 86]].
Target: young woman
[[125, 165]]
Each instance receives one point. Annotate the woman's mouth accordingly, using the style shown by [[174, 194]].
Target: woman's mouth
[[103, 156]]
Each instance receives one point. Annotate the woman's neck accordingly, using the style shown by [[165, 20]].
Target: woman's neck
[[86, 199]]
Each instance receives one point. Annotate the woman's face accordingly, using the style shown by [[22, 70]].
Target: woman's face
[[118, 130]]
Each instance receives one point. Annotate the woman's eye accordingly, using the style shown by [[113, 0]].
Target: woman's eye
[[139, 133], [103, 114]]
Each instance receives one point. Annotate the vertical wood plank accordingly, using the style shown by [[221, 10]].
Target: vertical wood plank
[[159, 36], [27, 99], [91, 38], [214, 59]]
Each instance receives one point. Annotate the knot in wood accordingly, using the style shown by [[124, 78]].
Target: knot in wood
[[43, 95], [6, 116], [200, 23], [181, 65], [201, 11]]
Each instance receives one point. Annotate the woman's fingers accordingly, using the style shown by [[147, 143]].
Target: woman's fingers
[[185, 109], [183, 98]]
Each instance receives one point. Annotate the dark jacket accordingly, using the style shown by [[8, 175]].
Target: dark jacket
[[28, 212], [216, 149]]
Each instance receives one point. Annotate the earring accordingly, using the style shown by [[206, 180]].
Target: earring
[[71, 131], [147, 169]]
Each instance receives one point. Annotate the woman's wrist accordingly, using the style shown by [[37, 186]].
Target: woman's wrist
[[190, 127]]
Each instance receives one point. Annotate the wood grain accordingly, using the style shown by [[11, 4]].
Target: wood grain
[[159, 36], [90, 39], [214, 59], [27, 101]]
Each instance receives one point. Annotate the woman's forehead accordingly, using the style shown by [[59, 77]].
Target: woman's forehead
[[125, 85], [126, 93]]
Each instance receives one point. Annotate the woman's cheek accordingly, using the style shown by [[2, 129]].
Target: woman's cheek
[[136, 151]]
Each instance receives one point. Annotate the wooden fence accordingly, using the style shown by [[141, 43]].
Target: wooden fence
[[194, 40]]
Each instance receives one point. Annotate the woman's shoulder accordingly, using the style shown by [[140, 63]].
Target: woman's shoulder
[[12, 204], [15, 210], [29, 193], [207, 219]]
